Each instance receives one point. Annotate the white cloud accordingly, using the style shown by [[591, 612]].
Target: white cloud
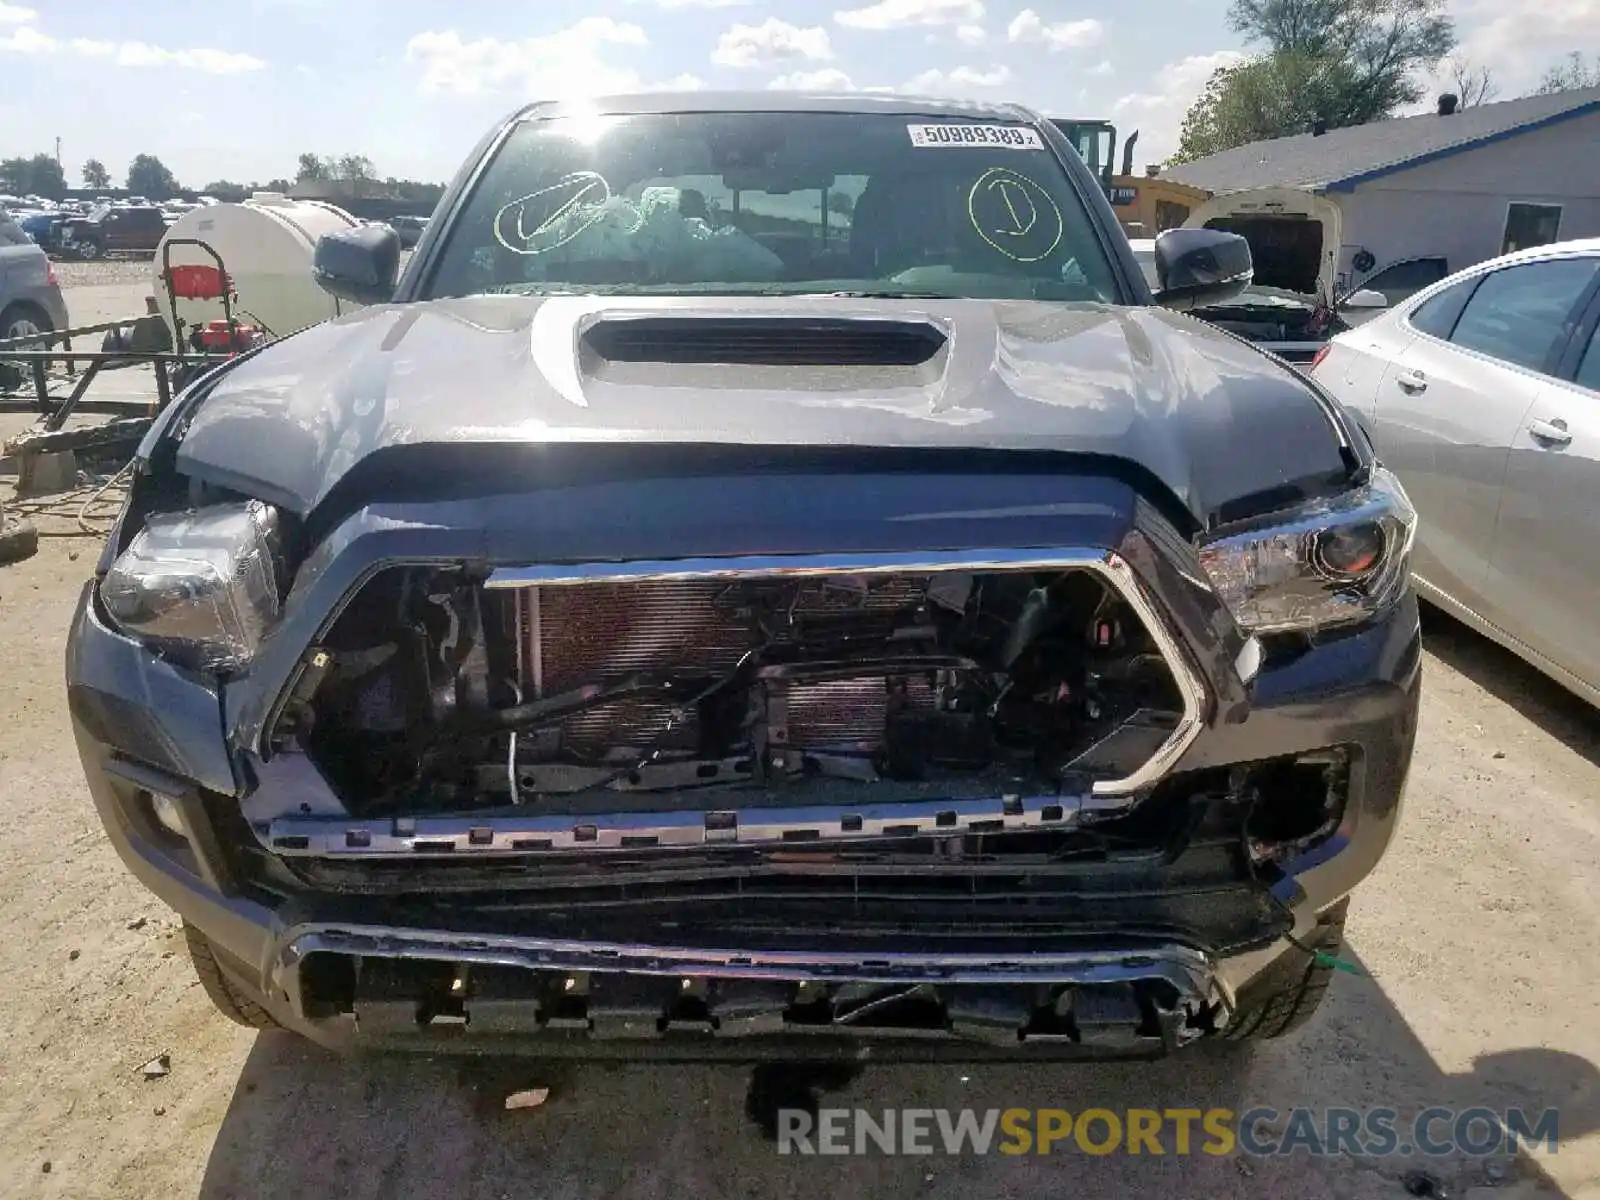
[[13, 14], [564, 63], [961, 81], [672, 4], [1103, 67], [1175, 87], [1029, 27], [141, 54], [683, 83], [1521, 39], [773, 41], [827, 79], [27, 40], [971, 35], [898, 14]]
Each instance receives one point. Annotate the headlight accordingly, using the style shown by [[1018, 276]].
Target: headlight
[[1325, 564], [200, 587]]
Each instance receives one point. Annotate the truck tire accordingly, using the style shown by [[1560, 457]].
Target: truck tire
[[1291, 990], [230, 1003]]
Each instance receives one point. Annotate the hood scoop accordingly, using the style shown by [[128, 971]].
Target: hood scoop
[[764, 341]]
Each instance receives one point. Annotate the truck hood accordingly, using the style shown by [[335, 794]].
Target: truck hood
[[1185, 402]]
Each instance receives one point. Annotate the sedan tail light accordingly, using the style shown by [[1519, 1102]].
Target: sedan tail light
[[1317, 358]]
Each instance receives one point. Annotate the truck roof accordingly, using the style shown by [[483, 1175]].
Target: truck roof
[[777, 100]]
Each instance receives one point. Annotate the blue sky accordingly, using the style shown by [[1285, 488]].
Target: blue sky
[[237, 89]]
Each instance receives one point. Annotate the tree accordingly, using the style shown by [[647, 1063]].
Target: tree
[[95, 176], [1334, 62], [312, 169], [226, 191], [1272, 96], [1570, 74], [1473, 85], [40, 175], [148, 176]]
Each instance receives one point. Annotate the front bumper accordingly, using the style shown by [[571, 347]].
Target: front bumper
[[1134, 961]]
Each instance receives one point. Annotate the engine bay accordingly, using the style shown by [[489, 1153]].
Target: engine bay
[[433, 694]]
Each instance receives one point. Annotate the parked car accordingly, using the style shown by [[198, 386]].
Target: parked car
[[42, 228], [1483, 394], [669, 614], [30, 298], [113, 230], [1292, 325], [410, 229]]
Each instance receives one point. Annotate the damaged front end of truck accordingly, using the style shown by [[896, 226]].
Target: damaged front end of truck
[[971, 758]]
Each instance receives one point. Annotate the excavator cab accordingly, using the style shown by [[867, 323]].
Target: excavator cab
[[1096, 144]]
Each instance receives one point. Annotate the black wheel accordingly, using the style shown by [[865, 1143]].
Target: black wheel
[[1290, 993], [89, 250], [20, 321], [229, 1001]]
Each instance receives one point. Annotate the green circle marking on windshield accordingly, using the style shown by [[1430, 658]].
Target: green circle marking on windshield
[[1015, 215]]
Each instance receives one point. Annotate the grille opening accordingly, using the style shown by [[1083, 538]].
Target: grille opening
[[825, 692], [784, 342]]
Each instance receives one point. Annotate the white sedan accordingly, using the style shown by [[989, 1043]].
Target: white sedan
[[1483, 394]]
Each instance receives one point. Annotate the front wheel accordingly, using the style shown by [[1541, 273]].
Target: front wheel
[[1288, 994], [89, 251], [20, 322], [229, 1001]]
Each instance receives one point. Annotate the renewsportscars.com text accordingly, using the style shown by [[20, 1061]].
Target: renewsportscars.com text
[[1373, 1132]]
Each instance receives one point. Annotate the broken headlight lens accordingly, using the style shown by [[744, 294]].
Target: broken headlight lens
[[200, 587], [1328, 563]]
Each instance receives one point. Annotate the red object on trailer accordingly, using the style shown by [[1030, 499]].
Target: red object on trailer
[[198, 282], [226, 337]]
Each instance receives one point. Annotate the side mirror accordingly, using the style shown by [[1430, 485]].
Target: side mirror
[[1365, 298], [361, 264], [1200, 267]]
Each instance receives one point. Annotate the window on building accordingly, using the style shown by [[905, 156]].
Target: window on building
[[1529, 225], [1517, 313]]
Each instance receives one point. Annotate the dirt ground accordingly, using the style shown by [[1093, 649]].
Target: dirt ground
[[1477, 940]]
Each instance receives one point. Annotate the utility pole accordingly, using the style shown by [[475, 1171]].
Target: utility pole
[[58, 152]]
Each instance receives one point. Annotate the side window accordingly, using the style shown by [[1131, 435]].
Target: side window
[[1529, 225], [11, 233], [1437, 315], [1589, 368], [1517, 313], [1402, 280]]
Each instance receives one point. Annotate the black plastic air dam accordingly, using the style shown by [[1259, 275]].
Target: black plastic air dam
[[487, 991]]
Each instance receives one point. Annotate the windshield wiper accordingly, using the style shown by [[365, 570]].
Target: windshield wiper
[[899, 294]]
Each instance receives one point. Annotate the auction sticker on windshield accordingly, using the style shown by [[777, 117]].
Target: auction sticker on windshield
[[1011, 137]]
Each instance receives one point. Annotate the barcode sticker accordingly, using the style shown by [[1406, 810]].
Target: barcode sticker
[[1007, 137]]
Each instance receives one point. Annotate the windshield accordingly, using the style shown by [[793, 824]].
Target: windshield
[[773, 204]]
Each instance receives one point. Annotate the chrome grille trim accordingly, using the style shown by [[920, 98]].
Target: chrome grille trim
[[1109, 564], [799, 826]]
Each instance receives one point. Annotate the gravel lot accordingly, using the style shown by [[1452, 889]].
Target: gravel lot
[[1477, 941], [74, 275]]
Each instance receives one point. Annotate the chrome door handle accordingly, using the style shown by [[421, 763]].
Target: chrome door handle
[[1412, 381], [1550, 433]]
